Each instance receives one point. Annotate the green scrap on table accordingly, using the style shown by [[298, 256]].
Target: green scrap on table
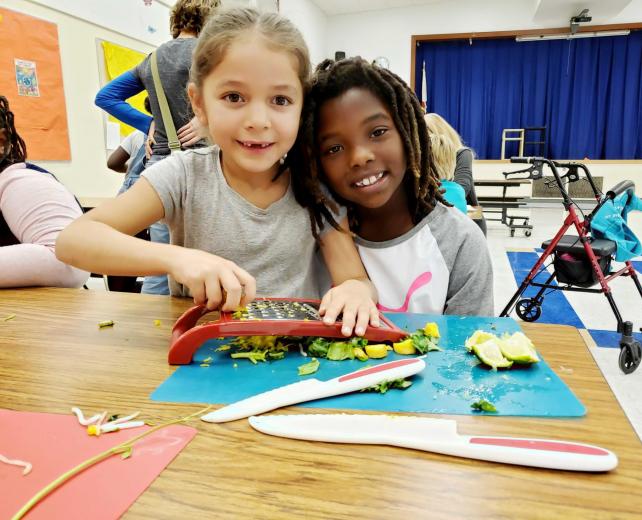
[[9, 317], [483, 406], [106, 323]]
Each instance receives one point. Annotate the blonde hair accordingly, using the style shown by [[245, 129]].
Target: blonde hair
[[445, 142], [438, 125], [224, 28], [190, 15], [444, 156]]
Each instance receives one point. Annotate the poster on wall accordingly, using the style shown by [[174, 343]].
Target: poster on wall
[[119, 59], [31, 79], [26, 78]]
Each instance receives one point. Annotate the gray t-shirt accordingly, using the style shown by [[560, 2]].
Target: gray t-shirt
[[174, 60], [275, 245]]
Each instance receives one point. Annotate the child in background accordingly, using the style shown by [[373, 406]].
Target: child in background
[[131, 156], [34, 207], [443, 160], [462, 167], [364, 135], [231, 208]]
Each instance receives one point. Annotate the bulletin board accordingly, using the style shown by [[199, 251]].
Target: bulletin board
[[119, 59], [31, 79]]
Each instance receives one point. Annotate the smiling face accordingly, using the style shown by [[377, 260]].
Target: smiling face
[[251, 105], [361, 151]]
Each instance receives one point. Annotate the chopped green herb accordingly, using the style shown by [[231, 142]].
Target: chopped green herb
[[483, 406], [9, 317], [309, 368], [340, 350], [254, 357], [422, 342], [106, 323], [384, 386]]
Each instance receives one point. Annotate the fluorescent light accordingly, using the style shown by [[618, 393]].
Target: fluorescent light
[[539, 37]]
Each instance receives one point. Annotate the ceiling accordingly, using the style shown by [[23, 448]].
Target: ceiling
[[332, 7], [539, 11]]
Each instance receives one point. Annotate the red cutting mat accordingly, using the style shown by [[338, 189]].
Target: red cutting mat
[[54, 444]]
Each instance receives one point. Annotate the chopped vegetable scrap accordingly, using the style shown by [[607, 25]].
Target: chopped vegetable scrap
[[96, 425], [106, 323], [309, 368], [502, 352], [268, 348], [483, 406], [157, 323], [15, 462], [9, 317], [384, 386]]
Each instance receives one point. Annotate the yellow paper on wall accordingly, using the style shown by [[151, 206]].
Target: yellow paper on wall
[[119, 59]]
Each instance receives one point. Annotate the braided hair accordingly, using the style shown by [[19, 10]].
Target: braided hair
[[331, 80], [15, 149]]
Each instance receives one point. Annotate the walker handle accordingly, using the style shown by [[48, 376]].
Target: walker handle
[[620, 188], [522, 160]]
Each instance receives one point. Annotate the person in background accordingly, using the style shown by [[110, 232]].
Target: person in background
[[443, 159], [174, 59], [34, 208], [237, 227], [463, 163], [363, 130], [131, 156]]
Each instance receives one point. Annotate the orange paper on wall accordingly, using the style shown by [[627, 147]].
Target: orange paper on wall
[[31, 79], [54, 444]]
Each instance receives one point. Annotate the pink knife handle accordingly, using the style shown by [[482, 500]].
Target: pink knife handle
[[542, 453], [378, 368], [536, 444]]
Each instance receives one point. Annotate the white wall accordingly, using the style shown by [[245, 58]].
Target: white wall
[[387, 32], [312, 22], [86, 174]]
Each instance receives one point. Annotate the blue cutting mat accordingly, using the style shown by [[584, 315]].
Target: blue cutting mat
[[452, 380]]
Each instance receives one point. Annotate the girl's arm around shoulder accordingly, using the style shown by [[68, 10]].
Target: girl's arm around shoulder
[[353, 293], [101, 241]]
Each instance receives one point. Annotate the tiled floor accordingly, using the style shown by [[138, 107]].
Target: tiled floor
[[591, 309]]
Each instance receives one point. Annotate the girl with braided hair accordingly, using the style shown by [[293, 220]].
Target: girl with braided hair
[[34, 208], [363, 135]]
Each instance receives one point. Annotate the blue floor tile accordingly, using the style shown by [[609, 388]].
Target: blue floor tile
[[609, 338], [556, 308]]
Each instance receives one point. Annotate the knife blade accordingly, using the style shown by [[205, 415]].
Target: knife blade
[[311, 389], [438, 436]]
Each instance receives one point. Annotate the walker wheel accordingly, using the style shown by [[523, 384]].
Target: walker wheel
[[528, 309], [527, 232], [630, 357]]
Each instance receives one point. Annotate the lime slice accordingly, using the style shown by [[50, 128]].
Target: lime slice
[[518, 348], [490, 354], [479, 336]]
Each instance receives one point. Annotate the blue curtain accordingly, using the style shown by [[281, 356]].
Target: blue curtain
[[586, 91]]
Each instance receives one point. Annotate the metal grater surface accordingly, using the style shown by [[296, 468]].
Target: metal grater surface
[[280, 310]]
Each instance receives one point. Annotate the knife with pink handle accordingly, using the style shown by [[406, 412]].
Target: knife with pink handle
[[310, 389], [439, 436]]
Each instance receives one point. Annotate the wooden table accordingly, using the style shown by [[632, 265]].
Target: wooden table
[[53, 356]]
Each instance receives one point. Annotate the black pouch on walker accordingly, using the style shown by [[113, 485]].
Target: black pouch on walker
[[572, 265]]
